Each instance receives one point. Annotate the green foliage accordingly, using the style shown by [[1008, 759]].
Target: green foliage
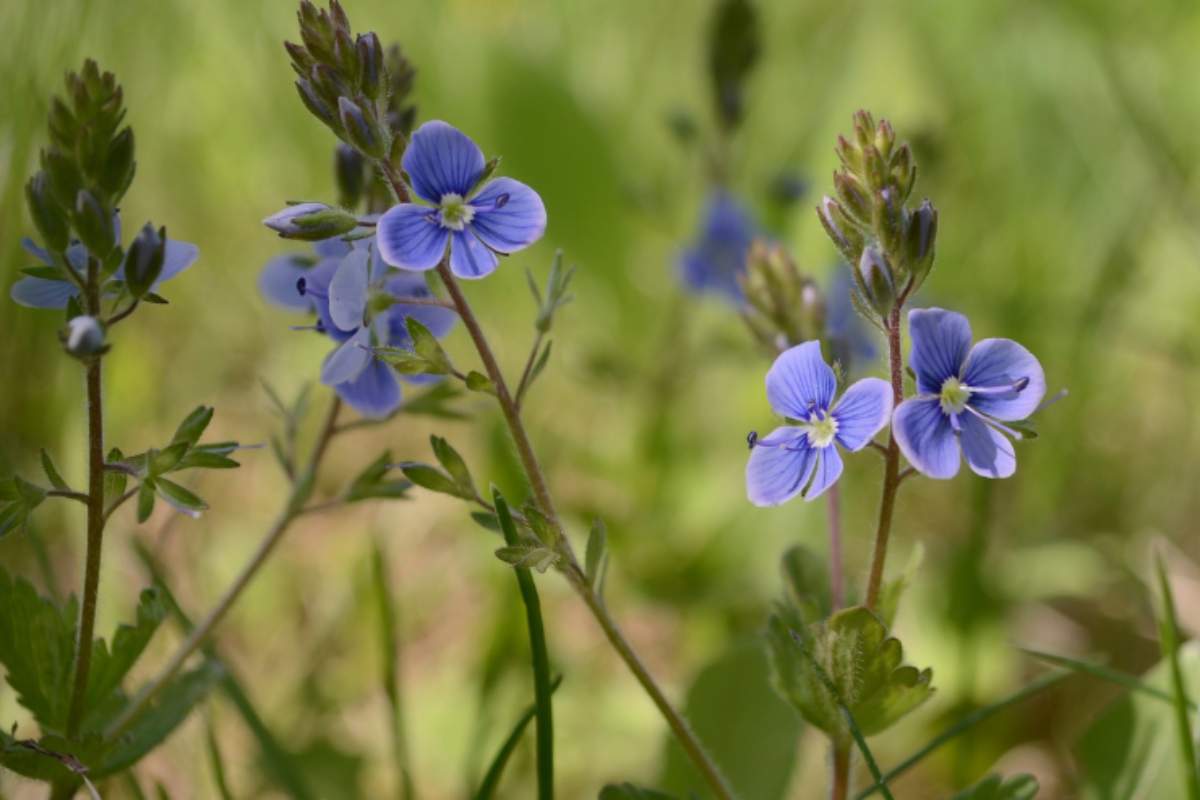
[[863, 663], [18, 499], [556, 295], [374, 483], [806, 584], [627, 791], [995, 787], [1168, 639], [491, 778], [109, 667], [733, 50], [37, 646], [749, 731], [595, 562]]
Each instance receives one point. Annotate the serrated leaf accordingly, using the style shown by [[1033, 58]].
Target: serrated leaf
[[627, 791], [145, 500], [193, 427], [182, 499], [862, 661], [596, 557], [37, 649], [528, 555], [433, 479], [478, 382], [52, 473], [995, 787], [110, 666], [453, 463]]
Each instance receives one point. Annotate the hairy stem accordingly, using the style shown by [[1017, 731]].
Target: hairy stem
[[891, 468], [85, 632], [301, 491], [839, 787]]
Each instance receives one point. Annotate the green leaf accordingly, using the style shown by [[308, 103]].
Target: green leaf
[[160, 719], [109, 667], [627, 791], [478, 382], [541, 362], [806, 584], [528, 555], [199, 458], [733, 50], [596, 558], [893, 590], [1131, 750], [486, 521], [434, 480], [37, 648], [863, 662], [114, 480], [192, 427], [753, 740], [426, 345], [18, 499], [406, 362], [179, 497], [373, 482], [52, 474], [51, 758], [491, 779], [540, 524], [453, 463], [145, 500], [1168, 635], [167, 459], [995, 787]]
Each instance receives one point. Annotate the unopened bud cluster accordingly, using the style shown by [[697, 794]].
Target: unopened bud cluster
[[889, 244], [87, 166], [784, 307]]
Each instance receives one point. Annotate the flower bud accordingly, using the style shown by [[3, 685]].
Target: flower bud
[[876, 281], [118, 169], [65, 179], [874, 168], [345, 55], [783, 305], [864, 128], [350, 169], [848, 154], [302, 62], [853, 195], [885, 138], [903, 171], [840, 228], [313, 101], [311, 222], [920, 238], [84, 337], [94, 224], [359, 130], [889, 220], [371, 69], [144, 261], [47, 214]]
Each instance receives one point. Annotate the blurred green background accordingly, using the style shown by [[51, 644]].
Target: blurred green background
[[1058, 141]]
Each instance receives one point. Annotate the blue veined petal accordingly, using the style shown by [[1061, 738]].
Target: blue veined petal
[[178, 257], [331, 248], [441, 160], [509, 216], [349, 360], [862, 412], [994, 364], [779, 467], [375, 393], [348, 290], [828, 470], [988, 452], [42, 293], [469, 257], [410, 237], [940, 341], [279, 279], [77, 256], [800, 382], [926, 437], [438, 320]]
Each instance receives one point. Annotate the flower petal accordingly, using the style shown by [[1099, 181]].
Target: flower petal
[[509, 216], [926, 437], [178, 257], [940, 341], [829, 469], [779, 467], [410, 237], [375, 393], [331, 248], [862, 412], [996, 363], [800, 381], [988, 452], [439, 321], [469, 257], [440, 159], [348, 290], [42, 293], [279, 279], [349, 360], [37, 251]]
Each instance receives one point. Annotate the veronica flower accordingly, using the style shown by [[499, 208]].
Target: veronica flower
[[963, 395], [47, 292], [359, 305], [473, 222], [801, 457], [718, 256]]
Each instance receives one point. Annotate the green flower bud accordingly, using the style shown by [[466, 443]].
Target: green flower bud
[[316, 104], [361, 130], [876, 281], [48, 215], [842, 230], [144, 261], [903, 171], [311, 222], [920, 238], [119, 166], [854, 196], [94, 224], [372, 70]]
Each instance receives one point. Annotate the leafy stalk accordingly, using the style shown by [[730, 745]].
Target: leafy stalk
[[491, 779]]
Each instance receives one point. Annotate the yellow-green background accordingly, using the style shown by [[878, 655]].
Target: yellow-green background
[[1059, 141]]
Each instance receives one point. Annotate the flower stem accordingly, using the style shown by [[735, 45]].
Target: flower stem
[[891, 469], [95, 517], [301, 491], [537, 480], [839, 788]]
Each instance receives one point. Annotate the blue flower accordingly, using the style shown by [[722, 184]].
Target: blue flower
[[800, 458], [714, 262], [40, 292], [963, 394], [359, 305], [475, 223]]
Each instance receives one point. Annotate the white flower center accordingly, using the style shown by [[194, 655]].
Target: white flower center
[[954, 396], [821, 429], [457, 213]]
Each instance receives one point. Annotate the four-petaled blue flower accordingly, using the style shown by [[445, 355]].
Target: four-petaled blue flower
[[475, 223], [38, 292], [359, 304], [963, 394], [800, 458], [714, 262]]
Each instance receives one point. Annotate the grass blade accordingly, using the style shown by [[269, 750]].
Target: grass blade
[[1130, 682], [540, 660], [491, 779], [1169, 640], [964, 724], [216, 761], [390, 644]]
